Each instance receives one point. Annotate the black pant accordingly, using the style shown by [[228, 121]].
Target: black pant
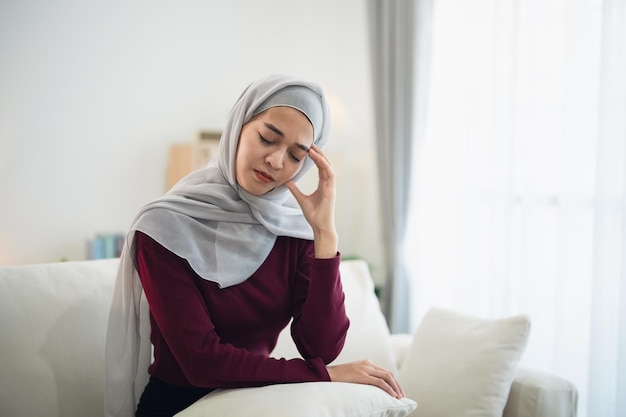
[[163, 400]]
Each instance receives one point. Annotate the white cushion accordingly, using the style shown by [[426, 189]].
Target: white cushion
[[307, 399], [368, 336], [461, 366], [53, 328]]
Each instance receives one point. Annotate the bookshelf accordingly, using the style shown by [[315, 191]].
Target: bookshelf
[[187, 157]]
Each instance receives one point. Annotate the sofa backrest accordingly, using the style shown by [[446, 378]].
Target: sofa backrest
[[368, 336], [53, 320]]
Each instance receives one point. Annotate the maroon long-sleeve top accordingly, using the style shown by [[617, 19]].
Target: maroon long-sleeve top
[[204, 336]]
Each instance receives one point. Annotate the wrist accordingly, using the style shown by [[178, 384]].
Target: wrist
[[326, 244], [330, 370]]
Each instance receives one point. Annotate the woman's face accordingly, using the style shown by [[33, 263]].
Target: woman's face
[[272, 148]]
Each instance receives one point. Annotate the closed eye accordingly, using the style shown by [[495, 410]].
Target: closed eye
[[268, 143]]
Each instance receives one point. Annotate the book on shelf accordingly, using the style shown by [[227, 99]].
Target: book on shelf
[[105, 245]]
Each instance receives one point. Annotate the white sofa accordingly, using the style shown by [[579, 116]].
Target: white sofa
[[53, 320]]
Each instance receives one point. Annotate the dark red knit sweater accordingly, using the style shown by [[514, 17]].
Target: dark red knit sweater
[[204, 336]]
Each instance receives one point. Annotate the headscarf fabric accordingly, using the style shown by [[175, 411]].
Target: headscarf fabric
[[223, 232]]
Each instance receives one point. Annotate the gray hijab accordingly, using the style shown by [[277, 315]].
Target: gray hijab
[[224, 232]]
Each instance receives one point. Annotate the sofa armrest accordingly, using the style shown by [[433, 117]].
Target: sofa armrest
[[539, 394]]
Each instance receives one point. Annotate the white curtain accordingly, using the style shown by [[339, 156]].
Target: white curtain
[[399, 32], [517, 202]]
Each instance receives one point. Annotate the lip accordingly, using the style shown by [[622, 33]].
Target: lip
[[263, 176]]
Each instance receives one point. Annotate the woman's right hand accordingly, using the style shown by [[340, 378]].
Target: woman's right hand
[[366, 372]]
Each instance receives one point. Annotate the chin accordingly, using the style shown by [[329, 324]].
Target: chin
[[257, 191]]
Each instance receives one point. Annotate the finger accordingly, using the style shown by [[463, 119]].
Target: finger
[[299, 195], [318, 156], [390, 380], [320, 152], [324, 167], [396, 386], [387, 376], [380, 377], [399, 387], [382, 384]]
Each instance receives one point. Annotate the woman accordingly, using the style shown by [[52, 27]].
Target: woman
[[227, 258]]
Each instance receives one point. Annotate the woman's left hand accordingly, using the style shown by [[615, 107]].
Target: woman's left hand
[[319, 206]]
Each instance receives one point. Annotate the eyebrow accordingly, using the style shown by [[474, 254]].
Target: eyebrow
[[281, 134]]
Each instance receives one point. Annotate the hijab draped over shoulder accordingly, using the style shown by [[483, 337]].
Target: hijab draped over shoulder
[[223, 232]]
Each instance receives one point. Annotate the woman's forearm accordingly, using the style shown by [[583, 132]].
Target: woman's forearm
[[326, 244]]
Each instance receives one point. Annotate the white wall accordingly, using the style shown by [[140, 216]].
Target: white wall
[[92, 93]]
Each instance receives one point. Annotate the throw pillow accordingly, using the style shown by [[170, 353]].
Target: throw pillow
[[306, 399], [460, 365]]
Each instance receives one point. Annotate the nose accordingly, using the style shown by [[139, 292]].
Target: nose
[[275, 159]]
